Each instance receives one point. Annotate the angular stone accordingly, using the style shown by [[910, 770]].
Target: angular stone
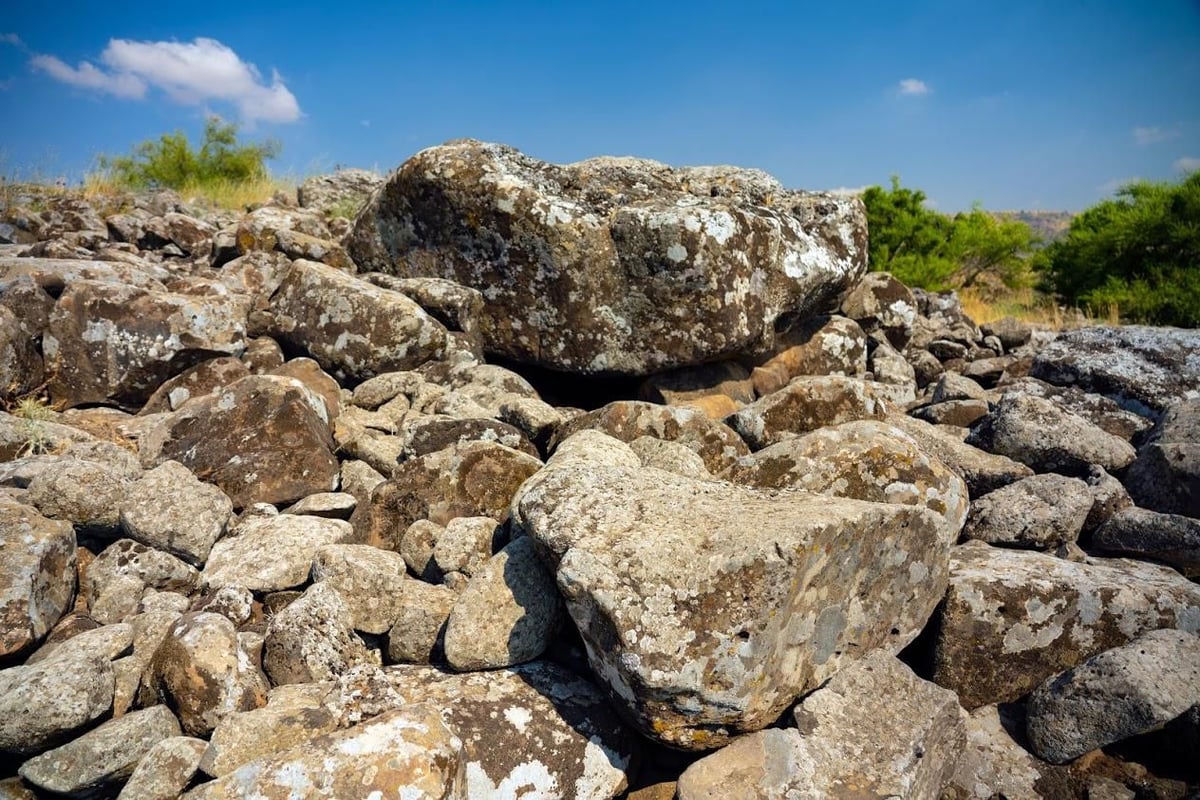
[[353, 329], [477, 479], [82, 641], [994, 762], [805, 404], [1039, 433], [261, 439], [1171, 539], [21, 366], [895, 379], [1143, 368], [1041, 512], [952, 386], [342, 192], [374, 583], [85, 493], [687, 265], [171, 509], [1130, 689], [680, 386], [312, 639], [1108, 497], [317, 380], [670, 456], [627, 420], [43, 704], [875, 730], [819, 346], [200, 671], [418, 637], [708, 607], [507, 614], [1013, 618], [1104, 413], [115, 581], [330, 505], [204, 378], [166, 770], [116, 344], [101, 759], [269, 554], [983, 471], [427, 434], [1166, 475], [37, 575], [960, 413], [465, 544], [293, 714], [408, 752], [879, 302]]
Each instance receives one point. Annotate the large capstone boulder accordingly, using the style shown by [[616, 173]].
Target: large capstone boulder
[[612, 265], [706, 607]]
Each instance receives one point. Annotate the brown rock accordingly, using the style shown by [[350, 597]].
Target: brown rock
[[805, 404], [37, 575], [198, 381]]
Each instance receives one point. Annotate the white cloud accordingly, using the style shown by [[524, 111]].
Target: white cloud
[[1153, 135], [11, 38], [912, 86], [1187, 164], [190, 73], [849, 191]]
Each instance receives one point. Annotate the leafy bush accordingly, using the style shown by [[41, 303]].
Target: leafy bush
[[935, 251], [172, 163], [1139, 252]]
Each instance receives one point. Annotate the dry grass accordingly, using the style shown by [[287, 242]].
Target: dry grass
[[1033, 307], [225, 194]]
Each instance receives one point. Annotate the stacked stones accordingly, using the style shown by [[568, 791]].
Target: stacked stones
[[333, 508]]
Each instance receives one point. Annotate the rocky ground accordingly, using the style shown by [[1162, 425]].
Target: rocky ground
[[598, 480]]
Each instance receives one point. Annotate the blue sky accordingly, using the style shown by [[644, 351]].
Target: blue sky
[[1037, 105]]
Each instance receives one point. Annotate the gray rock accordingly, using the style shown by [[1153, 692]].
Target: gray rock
[[1011, 332], [37, 575], [1166, 475], [106, 641], [115, 581], [507, 614], [1040, 512], [875, 730], [234, 603], [692, 264], [1039, 433], [166, 770], [419, 632], [1143, 368], [87, 494], [294, 713], [1171, 539], [44, 704], [465, 544], [805, 404], [994, 762], [698, 600], [1116, 694], [268, 554], [879, 302], [313, 639], [103, 758], [895, 379], [670, 456], [169, 508], [1108, 497], [1013, 618], [1101, 411], [373, 583], [953, 386], [982, 471], [341, 193], [331, 505]]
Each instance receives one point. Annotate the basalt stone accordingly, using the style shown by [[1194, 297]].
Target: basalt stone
[[706, 608], [44, 704], [820, 346], [272, 553], [1101, 411], [428, 434], [879, 302], [171, 509], [1040, 512], [115, 581], [37, 575], [685, 265], [1170, 539], [342, 192], [983, 471], [166, 770], [805, 404], [87, 494], [685, 384], [1166, 475], [293, 714], [204, 378], [313, 639]]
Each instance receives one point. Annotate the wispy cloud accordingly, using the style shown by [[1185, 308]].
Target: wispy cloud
[[849, 191], [913, 86], [11, 38], [1153, 135], [1187, 164], [190, 73]]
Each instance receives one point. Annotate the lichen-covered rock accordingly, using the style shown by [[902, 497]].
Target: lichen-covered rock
[[101, 759], [895, 378], [44, 703], [204, 378], [261, 439], [879, 302], [374, 583], [465, 545], [476, 479], [294, 713], [820, 346], [418, 637], [1103, 412], [312, 639], [670, 456], [340, 193], [408, 752], [983, 471], [1013, 618], [535, 729], [166, 770], [331, 505], [874, 730], [953, 386], [507, 613], [627, 420], [960, 413], [1143, 368], [1116, 694], [115, 344], [268, 554], [1166, 475], [169, 508], [422, 435], [685, 265], [1171, 539], [993, 762], [200, 671], [805, 404], [864, 460], [87, 494], [707, 607], [353, 329], [1041, 512], [115, 580], [318, 381], [37, 575], [21, 365], [1041, 434]]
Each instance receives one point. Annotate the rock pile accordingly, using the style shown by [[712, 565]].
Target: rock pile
[[305, 515]]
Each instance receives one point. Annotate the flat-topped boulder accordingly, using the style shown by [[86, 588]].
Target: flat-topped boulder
[[612, 265]]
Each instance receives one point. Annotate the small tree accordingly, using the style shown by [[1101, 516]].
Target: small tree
[[171, 163]]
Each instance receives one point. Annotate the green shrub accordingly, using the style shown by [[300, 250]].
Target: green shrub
[[1139, 252]]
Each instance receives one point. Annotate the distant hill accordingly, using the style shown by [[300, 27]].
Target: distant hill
[[1050, 225]]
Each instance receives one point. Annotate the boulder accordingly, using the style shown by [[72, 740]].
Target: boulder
[[116, 344], [874, 730], [1130, 689], [686, 384], [204, 378], [1171, 539], [114, 582], [818, 346], [353, 329], [374, 583], [312, 639], [418, 637], [166, 770], [983, 471], [707, 607], [85, 493], [1040, 512], [1101, 411], [685, 265], [293, 714], [1143, 368], [994, 762], [422, 435], [271, 553], [881, 303], [261, 439], [340, 193], [1013, 618], [37, 575], [959, 413], [45, 703], [1166, 475], [170, 509], [805, 404]]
